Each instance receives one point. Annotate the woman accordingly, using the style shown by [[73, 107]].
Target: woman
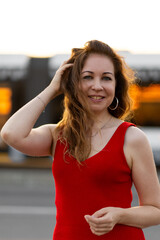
[[96, 154]]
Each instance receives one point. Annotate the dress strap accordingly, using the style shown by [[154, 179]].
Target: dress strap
[[119, 136], [123, 130]]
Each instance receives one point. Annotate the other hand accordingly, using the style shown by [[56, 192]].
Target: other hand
[[104, 220]]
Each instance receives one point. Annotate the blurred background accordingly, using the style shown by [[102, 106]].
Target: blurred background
[[35, 38]]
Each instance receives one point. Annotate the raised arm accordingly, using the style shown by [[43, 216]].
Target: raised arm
[[18, 131]]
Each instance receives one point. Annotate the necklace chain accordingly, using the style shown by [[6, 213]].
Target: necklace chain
[[101, 128]]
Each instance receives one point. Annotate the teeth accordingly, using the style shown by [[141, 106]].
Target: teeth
[[95, 97]]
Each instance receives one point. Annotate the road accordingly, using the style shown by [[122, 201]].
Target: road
[[27, 210]]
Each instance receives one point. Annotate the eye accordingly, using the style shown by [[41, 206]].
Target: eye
[[106, 78], [87, 77]]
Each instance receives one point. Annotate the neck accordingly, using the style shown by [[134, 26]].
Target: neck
[[101, 119], [101, 124]]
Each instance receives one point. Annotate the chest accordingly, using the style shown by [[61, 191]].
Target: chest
[[99, 142], [108, 166], [109, 139]]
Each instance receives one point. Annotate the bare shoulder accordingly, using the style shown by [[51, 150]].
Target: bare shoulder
[[135, 137], [136, 146], [51, 127], [43, 139], [46, 128]]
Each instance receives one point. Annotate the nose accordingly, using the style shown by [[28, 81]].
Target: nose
[[96, 85]]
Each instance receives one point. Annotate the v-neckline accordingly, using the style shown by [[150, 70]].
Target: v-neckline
[[106, 143]]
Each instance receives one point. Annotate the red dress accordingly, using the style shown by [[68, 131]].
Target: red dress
[[104, 180]]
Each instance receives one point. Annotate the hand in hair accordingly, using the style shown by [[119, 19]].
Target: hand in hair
[[56, 81]]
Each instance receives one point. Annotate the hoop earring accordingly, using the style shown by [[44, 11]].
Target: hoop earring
[[117, 102]]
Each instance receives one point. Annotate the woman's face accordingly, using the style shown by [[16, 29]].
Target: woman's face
[[97, 82]]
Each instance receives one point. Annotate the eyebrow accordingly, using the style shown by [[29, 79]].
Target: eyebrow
[[103, 73], [87, 71]]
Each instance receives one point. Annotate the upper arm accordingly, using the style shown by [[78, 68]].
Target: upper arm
[[39, 142], [144, 172]]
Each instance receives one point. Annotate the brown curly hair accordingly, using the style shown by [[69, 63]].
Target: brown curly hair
[[75, 126]]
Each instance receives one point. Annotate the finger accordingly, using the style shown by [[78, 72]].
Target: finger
[[94, 220], [64, 63], [91, 219], [99, 233], [99, 225], [61, 69], [100, 213], [100, 230], [67, 65]]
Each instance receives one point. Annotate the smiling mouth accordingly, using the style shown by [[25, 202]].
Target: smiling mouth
[[96, 97]]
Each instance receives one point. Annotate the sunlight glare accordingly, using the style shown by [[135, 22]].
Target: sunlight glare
[[44, 28]]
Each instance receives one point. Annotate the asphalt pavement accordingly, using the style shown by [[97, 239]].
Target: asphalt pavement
[[27, 209]]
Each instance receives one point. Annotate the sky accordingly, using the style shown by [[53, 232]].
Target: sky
[[47, 27]]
